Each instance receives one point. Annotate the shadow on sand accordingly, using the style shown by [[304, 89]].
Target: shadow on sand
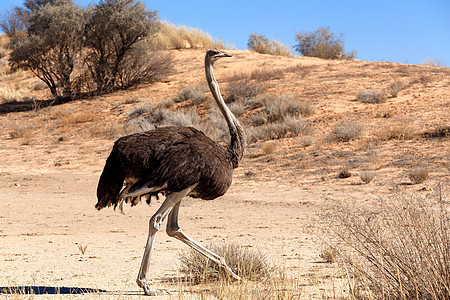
[[50, 290]]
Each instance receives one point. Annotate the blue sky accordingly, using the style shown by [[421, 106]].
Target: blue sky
[[384, 30]]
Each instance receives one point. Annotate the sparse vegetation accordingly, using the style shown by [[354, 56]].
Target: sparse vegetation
[[113, 35], [242, 91], [51, 45], [329, 255], [268, 148], [170, 36], [418, 175], [440, 131], [75, 51], [346, 131], [21, 131], [322, 43], [366, 176], [265, 74], [195, 94], [288, 128], [82, 248], [12, 94], [263, 45], [344, 173], [379, 96], [397, 251], [434, 62], [399, 131], [246, 263]]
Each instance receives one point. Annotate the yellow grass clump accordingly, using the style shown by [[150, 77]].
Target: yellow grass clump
[[171, 36]]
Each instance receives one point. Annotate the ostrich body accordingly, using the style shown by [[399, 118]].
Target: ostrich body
[[177, 162]]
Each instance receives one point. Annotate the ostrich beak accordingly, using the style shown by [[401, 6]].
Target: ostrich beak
[[225, 55]]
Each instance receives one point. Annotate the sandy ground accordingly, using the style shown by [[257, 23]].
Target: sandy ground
[[51, 235]]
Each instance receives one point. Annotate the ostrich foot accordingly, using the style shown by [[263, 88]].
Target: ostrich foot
[[151, 292]]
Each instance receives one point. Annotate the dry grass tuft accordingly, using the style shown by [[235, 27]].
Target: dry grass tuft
[[242, 91], [366, 176], [268, 148], [399, 250], [110, 130], [265, 74], [418, 175], [8, 94], [171, 36], [195, 94], [247, 263], [400, 131], [21, 131], [329, 255], [346, 131], [379, 96], [344, 173], [288, 128]]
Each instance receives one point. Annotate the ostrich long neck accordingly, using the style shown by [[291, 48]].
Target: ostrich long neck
[[237, 143]]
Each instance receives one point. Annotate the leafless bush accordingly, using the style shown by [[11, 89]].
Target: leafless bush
[[418, 175], [263, 45], [247, 263], [322, 43], [434, 62], [366, 176], [144, 65], [13, 21], [346, 131], [397, 250]]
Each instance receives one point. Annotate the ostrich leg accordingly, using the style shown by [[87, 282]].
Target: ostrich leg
[[175, 231], [155, 223]]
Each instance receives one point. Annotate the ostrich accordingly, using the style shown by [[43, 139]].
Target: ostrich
[[177, 162]]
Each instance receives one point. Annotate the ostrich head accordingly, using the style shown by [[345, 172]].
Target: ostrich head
[[213, 55]]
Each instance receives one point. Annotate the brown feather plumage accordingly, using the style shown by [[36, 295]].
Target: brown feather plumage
[[173, 158]]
